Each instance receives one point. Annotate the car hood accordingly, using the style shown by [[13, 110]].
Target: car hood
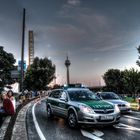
[[99, 104], [117, 101]]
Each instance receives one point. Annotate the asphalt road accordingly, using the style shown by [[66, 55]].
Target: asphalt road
[[57, 129]]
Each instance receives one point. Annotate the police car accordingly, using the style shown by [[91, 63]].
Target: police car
[[79, 105]]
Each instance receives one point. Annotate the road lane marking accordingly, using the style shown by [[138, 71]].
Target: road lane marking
[[135, 118], [42, 137], [125, 126], [97, 133], [135, 112], [90, 135]]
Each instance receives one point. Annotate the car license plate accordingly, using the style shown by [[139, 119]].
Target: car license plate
[[106, 118]]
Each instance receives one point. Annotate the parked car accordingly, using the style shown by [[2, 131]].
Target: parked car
[[124, 106], [81, 106]]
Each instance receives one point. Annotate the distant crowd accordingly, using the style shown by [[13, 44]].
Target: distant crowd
[[8, 106]]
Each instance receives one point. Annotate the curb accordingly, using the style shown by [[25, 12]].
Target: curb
[[19, 129], [4, 127]]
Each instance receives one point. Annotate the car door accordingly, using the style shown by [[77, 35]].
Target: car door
[[63, 104], [54, 101]]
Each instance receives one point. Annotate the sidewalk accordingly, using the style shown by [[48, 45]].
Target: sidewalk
[[19, 129], [14, 127]]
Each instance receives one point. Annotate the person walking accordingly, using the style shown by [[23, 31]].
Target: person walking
[[10, 95], [7, 109]]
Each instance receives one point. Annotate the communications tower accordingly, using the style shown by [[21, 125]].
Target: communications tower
[[67, 64]]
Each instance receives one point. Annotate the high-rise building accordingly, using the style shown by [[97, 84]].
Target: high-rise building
[[31, 47]]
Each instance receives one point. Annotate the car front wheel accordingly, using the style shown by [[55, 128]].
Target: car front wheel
[[72, 120], [49, 112]]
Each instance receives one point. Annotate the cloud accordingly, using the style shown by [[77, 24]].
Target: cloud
[[95, 59], [101, 32], [74, 2], [81, 29], [90, 38], [65, 34]]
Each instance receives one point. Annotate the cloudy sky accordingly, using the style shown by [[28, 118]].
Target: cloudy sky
[[96, 34]]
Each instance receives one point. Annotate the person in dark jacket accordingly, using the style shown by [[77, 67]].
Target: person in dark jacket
[[10, 95], [7, 109]]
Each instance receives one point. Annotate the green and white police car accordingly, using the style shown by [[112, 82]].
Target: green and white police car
[[81, 106]]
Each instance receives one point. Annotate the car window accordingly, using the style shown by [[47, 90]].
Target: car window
[[107, 96], [63, 95], [82, 95], [55, 94]]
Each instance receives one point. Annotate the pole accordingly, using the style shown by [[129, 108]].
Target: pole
[[67, 64], [68, 79], [22, 51]]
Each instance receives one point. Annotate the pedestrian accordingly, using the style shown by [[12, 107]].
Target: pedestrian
[[10, 95], [7, 109], [38, 97]]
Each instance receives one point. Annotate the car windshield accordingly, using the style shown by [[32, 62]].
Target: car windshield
[[109, 96], [82, 95]]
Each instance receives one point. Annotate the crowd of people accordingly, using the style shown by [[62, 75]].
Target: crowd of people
[[9, 105]]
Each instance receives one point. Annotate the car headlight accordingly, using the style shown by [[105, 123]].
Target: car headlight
[[117, 109], [86, 109]]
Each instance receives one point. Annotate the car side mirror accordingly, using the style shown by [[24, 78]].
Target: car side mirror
[[99, 96]]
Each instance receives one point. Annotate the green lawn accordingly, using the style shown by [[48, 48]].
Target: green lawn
[[134, 103], [134, 106]]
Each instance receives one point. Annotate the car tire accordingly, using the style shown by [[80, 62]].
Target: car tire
[[49, 112], [72, 120]]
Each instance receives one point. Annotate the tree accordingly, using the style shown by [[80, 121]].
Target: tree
[[6, 65], [138, 61], [131, 81], [127, 81], [40, 74], [113, 80]]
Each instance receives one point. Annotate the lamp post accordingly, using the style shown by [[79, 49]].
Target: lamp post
[[22, 51], [67, 64]]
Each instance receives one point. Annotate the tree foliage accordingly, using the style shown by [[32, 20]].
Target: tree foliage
[[131, 81], [138, 61], [126, 82], [113, 80], [6, 65], [40, 74]]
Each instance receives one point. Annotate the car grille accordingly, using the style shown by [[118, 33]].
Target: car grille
[[104, 120], [103, 111], [121, 105]]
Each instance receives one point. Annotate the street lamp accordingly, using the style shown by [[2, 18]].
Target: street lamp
[[22, 51]]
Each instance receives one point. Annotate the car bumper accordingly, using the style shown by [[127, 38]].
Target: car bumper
[[123, 110], [99, 119]]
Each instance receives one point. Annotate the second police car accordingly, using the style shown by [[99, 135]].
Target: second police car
[[81, 106]]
